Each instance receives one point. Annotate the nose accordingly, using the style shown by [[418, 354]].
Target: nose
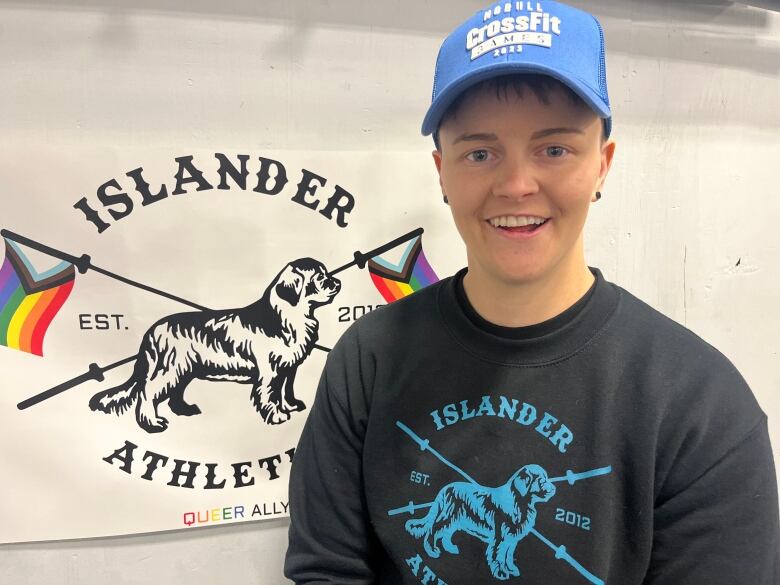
[[515, 179]]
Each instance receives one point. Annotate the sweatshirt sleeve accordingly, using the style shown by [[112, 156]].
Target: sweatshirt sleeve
[[720, 527], [330, 538]]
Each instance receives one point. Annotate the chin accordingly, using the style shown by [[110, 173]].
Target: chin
[[521, 277], [519, 273]]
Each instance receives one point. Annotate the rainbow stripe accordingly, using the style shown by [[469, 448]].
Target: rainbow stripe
[[29, 300], [410, 274]]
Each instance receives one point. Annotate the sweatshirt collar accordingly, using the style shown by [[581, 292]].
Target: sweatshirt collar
[[539, 344]]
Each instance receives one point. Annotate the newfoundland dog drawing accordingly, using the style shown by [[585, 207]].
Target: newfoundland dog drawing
[[261, 344], [500, 517]]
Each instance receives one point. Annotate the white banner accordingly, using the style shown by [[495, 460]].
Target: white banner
[[164, 318]]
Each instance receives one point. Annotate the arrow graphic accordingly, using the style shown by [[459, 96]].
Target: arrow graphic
[[360, 258], [410, 508], [561, 553], [425, 445], [571, 478], [94, 372], [84, 263]]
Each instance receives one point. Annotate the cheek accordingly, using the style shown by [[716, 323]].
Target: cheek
[[573, 192], [581, 182], [461, 217], [463, 201], [450, 182], [587, 176]]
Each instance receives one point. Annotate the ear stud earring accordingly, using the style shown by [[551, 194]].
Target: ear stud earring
[[446, 201], [598, 195]]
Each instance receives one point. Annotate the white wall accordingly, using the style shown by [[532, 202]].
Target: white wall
[[687, 221]]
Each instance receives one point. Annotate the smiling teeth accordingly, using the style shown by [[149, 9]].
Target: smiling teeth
[[515, 220]]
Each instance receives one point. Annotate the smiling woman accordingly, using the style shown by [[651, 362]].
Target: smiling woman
[[652, 433]]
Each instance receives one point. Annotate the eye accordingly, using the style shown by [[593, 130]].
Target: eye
[[556, 151], [480, 155]]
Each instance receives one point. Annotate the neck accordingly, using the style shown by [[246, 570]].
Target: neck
[[519, 304]]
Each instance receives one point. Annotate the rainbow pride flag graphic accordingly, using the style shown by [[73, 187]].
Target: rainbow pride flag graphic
[[29, 300], [411, 273]]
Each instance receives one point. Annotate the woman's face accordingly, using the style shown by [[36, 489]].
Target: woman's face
[[520, 175]]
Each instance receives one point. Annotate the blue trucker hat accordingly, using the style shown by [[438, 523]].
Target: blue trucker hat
[[521, 36]]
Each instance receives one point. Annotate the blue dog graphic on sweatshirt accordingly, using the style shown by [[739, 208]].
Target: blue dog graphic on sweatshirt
[[500, 517]]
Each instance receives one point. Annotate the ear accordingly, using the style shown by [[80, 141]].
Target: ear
[[437, 161], [607, 152], [290, 286]]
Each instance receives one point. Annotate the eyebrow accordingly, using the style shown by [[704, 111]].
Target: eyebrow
[[551, 131], [481, 136]]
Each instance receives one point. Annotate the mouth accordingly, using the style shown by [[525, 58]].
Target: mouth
[[518, 224]]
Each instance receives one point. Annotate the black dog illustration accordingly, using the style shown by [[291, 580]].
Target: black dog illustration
[[261, 344]]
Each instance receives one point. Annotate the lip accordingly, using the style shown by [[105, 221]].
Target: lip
[[512, 235], [494, 216]]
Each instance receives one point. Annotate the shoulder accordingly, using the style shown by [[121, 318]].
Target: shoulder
[[697, 394], [700, 408], [381, 329], [383, 335], [652, 338]]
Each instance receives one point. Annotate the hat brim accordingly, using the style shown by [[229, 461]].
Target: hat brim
[[448, 95]]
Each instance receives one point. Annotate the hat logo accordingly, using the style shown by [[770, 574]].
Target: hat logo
[[508, 34]]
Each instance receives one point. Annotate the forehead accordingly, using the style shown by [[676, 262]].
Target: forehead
[[515, 106]]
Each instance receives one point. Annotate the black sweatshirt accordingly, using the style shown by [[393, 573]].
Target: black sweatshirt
[[606, 445]]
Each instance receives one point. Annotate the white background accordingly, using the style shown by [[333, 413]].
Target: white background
[[688, 221]]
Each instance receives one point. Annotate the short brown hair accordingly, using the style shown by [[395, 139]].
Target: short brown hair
[[540, 85]]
